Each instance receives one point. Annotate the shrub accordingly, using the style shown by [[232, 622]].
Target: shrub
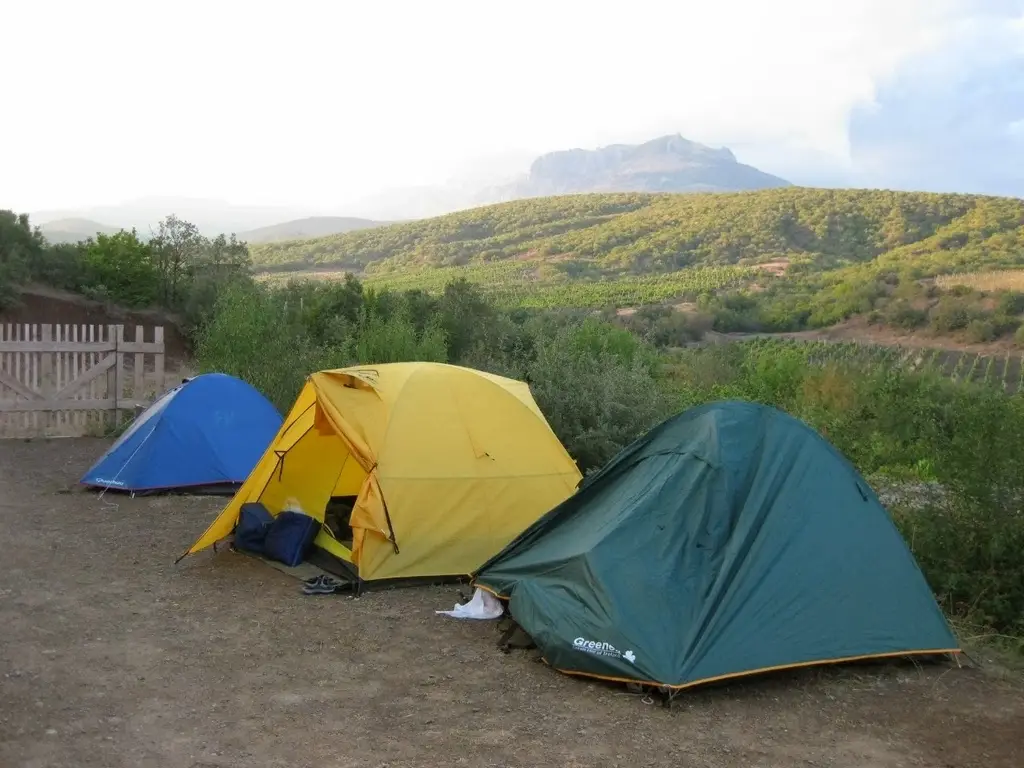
[[394, 339], [951, 314], [597, 396], [902, 314], [250, 335], [981, 331], [970, 554], [1004, 324], [1011, 303]]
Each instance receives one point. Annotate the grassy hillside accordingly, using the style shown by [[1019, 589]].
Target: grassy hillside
[[643, 233], [780, 259]]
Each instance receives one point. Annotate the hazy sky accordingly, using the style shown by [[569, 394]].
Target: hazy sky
[[320, 103]]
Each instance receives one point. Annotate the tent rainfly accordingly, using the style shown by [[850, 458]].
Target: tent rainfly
[[206, 434], [731, 539], [416, 470]]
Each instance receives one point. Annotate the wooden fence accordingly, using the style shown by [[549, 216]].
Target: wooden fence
[[74, 380]]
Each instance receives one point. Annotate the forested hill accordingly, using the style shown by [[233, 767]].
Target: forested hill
[[808, 230]]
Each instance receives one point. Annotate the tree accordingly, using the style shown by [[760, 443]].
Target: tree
[[596, 390], [194, 269], [60, 265], [177, 245], [211, 266], [394, 339], [20, 248], [465, 316], [121, 267]]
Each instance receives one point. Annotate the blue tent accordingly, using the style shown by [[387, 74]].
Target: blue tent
[[207, 433]]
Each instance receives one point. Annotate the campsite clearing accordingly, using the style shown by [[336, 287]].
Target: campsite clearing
[[112, 656]]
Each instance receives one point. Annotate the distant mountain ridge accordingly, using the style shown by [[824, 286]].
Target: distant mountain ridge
[[666, 164], [211, 217], [72, 230], [311, 226]]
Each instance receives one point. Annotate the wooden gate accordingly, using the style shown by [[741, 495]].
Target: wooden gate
[[75, 380]]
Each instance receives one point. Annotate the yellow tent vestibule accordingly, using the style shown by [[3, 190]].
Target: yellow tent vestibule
[[442, 466]]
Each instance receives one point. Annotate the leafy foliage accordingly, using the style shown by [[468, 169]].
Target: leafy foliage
[[20, 247], [654, 233], [597, 389], [596, 382], [179, 269], [120, 266]]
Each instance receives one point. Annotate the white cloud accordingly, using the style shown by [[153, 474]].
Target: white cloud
[[318, 103], [945, 120]]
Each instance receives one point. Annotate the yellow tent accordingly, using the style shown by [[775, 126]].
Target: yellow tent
[[446, 466]]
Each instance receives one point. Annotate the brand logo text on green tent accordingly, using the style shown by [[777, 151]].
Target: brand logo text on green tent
[[600, 648]]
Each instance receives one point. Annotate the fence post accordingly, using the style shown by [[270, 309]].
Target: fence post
[[118, 373], [46, 382], [158, 363]]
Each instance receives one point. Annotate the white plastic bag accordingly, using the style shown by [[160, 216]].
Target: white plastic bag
[[484, 605]]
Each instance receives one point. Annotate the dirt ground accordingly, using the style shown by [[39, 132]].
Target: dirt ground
[[111, 655]]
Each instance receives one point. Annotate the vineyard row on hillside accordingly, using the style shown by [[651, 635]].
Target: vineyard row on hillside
[[523, 284], [1002, 371]]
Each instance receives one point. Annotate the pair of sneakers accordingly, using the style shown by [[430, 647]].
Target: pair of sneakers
[[323, 585]]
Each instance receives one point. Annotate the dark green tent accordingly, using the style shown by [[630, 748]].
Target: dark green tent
[[731, 539]]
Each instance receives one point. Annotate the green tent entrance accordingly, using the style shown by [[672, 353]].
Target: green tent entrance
[[731, 539]]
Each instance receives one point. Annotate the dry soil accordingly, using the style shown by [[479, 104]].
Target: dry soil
[[111, 655]]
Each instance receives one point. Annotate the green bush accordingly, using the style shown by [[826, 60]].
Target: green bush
[[251, 335], [970, 554], [900, 314], [1011, 303], [21, 246], [1004, 324], [951, 314], [274, 341], [596, 382], [981, 331], [123, 267], [394, 339], [598, 395]]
